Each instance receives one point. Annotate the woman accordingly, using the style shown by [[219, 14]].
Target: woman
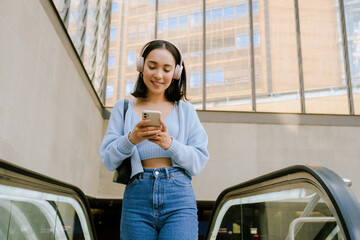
[[159, 202]]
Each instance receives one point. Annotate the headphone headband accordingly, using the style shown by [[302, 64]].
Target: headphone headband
[[147, 44], [178, 67]]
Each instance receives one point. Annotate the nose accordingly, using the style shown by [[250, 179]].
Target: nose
[[158, 73]]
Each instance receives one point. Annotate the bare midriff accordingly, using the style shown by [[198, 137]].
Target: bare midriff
[[156, 163]]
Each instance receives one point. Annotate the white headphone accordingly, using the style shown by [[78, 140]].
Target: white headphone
[[178, 67]]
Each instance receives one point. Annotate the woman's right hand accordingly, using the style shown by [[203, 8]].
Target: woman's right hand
[[141, 133]]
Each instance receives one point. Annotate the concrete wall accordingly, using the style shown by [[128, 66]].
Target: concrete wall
[[243, 151], [49, 121]]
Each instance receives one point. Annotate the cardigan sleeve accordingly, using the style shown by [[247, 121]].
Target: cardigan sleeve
[[115, 146], [192, 154]]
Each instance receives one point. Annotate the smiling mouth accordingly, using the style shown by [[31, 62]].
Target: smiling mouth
[[157, 83]]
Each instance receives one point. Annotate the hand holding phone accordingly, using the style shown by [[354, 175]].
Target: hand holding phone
[[154, 116]]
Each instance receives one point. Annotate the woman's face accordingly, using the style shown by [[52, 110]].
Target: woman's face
[[158, 71]]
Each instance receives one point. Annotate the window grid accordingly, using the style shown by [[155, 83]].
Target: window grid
[[175, 27]]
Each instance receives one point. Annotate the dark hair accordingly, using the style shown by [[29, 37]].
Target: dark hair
[[177, 89]]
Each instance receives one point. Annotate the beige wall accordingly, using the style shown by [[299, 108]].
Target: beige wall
[[49, 121], [243, 151]]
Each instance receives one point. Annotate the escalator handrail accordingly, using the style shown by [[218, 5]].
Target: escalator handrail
[[343, 199], [34, 175]]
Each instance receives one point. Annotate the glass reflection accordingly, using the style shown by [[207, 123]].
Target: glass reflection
[[269, 215], [278, 90], [352, 16], [321, 46], [86, 22], [228, 79], [28, 214], [134, 22], [228, 69]]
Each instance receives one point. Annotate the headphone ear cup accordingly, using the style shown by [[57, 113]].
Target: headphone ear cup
[[140, 64], [177, 72]]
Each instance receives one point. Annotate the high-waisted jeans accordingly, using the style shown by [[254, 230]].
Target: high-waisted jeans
[[159, 204]]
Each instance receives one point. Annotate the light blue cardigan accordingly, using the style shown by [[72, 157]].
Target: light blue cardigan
[[188, 150]]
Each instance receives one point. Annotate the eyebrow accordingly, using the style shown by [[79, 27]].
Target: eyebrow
[[166, 65]]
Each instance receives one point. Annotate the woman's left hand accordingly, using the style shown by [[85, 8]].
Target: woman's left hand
[[163, 138]]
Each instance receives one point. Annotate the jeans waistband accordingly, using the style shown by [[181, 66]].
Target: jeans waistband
[[164, 172]]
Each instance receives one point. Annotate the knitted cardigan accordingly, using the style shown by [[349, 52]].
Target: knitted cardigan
[[188, 150]]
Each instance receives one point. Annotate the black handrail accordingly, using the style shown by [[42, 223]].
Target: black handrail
[[34, 175], [343, 199]]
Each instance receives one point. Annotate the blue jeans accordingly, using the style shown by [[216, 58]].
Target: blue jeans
[[159, 204]]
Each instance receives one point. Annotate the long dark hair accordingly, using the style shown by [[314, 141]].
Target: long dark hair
[[177, 89]]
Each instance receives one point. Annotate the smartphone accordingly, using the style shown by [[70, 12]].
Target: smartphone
[[154, 116]]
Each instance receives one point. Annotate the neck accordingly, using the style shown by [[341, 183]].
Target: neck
[[155, 98]]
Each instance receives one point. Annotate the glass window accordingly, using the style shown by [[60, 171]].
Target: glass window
[[195, 48], [229, 43], [71, 16], [131, 58], [243, 217], [129, 88], [217, 14], [322, 75], [208, 17], [352, 16], [36, 214], [218, 78], [113, 33], [228, 13], [279, 79], [87, 38], [353, 30], [115, 7], [109, 90], [241, 41], [195, 54], [256, 40], [217, 45], [195, 19], [255, 8], [208, 78], [172, 23], [111, 62], [183, 21], [194, 80], [241, 10], [162, 25]]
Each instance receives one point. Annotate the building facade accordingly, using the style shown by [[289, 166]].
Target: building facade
[[254, 58]]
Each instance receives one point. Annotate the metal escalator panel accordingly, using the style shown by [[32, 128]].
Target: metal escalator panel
[[299, 202], [36, 207]]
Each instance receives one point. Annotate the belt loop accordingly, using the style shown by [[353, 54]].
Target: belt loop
[[138, 176], [167, 173]]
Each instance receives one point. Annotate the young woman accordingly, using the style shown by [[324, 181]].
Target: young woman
[[159, 202]]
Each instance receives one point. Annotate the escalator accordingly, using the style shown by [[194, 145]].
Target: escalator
[[36, 207], [299, 202]]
